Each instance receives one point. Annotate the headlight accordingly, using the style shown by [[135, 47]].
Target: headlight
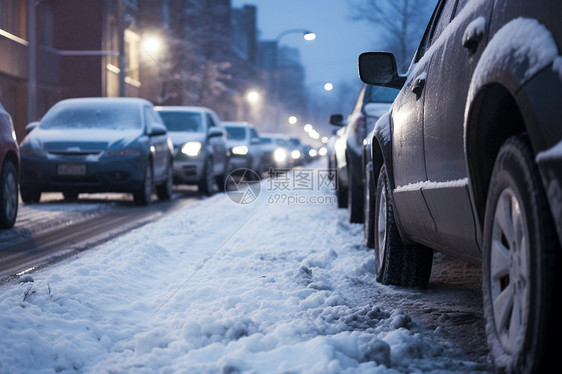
[[191, 148], [123, 152], [240, 150], [280, 155], [323, 151], [296, 154], [312, 153]]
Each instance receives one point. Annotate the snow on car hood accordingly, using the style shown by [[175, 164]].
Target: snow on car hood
[[84, 139]]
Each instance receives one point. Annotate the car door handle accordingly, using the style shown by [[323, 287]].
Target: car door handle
[[474, 34], [419, 84]]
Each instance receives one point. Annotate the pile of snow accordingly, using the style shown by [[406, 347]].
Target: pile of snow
[[266, 287]]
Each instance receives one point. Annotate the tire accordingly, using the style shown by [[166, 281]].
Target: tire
[[70, 196], [144, 195], [369, 207], [29, 195], [8, 195], [520, 260], [164, 190], [396, 263], [354, 197], [206, 184], [221, 180], [341, 191]]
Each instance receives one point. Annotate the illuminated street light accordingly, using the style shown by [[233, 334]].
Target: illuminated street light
[[325, 139], [292, 120], [308, 127], [309, 36], [253, 97], [328, 86], [152, 44]]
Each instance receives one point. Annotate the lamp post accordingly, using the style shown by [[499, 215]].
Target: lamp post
[[308, 36]]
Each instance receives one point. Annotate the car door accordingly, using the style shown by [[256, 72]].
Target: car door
[[158, 143], [408, 148], [217, 144], [446, 88]]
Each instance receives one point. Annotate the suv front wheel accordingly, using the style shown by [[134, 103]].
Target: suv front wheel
[[396, 263], [520, 261]]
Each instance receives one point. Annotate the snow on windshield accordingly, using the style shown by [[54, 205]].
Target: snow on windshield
[[93, 115]]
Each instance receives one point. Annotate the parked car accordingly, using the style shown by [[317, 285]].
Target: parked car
[[243, 141], [276, 151], [9, 170], [201, 155], [469, 162], [371, 103], [296, 151], [97, 145]]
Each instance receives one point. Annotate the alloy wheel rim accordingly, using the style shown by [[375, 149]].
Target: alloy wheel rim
[[510, 270]]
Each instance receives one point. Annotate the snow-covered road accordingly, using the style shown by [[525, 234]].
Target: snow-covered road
[[280, 284]]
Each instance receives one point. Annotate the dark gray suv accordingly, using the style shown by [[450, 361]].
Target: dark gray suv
[[468, 161]]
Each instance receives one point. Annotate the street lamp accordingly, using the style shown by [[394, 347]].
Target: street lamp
[[308, 36]]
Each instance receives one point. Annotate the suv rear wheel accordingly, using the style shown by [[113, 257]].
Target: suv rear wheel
[[520, 261]]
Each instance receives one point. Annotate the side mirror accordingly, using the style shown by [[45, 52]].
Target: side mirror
[[31, 126], [379, 69], [157, 129], [214, 132], [336, 120]]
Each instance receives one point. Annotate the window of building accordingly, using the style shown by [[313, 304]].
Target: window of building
[[132, 41]]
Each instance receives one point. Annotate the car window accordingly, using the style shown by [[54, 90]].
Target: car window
[[266, 140], [93, 115], [380, 94], [254, 133], [182, 121], [210, 121], [445, 16], [428, 33], [460, 6], [235, 132]]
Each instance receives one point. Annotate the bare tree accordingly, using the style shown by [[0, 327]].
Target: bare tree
[[400, 22]]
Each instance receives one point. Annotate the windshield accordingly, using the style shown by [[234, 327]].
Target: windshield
[[377, 94], [182, 121], [235, 133], [93, 115]]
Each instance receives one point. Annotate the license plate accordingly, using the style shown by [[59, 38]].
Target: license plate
[[72, 169]]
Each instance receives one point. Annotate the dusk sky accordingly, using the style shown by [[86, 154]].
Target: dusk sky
[[333, 55]]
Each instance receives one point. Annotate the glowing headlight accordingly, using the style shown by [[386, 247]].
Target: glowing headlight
[[191, 148], [312, 153], [240, 150], [296, 154], [323, 151], [280, 155]]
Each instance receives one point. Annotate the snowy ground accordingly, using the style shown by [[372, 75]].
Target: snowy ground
[[281, 284]]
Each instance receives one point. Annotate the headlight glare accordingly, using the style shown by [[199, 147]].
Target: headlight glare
[[280, 155], [191, 148], [240, 150]]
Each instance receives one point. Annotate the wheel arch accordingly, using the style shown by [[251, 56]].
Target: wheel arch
[[493, 117]]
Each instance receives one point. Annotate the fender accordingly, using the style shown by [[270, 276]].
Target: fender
[[518, 52]]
